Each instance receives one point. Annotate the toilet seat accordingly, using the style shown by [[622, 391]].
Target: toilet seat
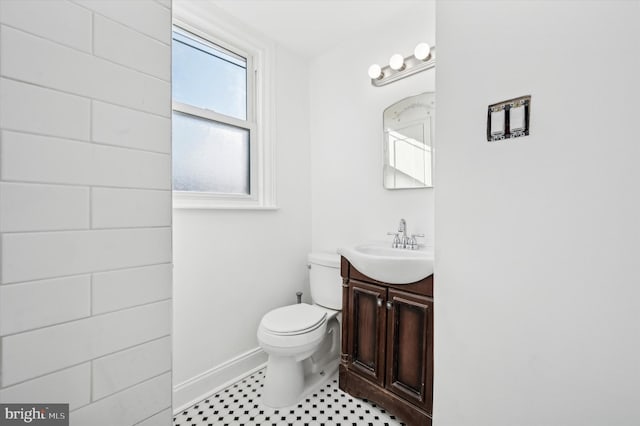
[[292, 328], [293, 320]]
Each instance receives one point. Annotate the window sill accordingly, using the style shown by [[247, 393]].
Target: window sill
[[204, 201]]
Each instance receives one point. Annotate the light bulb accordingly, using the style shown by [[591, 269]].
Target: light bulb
[[396, 62], [375, 72], [422, 51]]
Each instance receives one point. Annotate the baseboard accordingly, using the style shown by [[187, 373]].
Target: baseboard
[[196, 389]]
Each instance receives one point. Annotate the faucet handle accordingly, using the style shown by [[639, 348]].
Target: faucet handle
[[413, 243], [397, 243]]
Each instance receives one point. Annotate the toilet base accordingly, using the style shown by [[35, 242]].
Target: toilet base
[[283, 383], [286, 384], [290, 378]]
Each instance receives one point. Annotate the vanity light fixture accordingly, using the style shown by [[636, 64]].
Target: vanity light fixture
[[423, 58], [422, 51], [375, 72], [396, 62]]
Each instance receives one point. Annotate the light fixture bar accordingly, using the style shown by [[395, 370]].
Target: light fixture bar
[[411, 66]]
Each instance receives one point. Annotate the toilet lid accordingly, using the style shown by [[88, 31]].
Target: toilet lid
[[294, 319]]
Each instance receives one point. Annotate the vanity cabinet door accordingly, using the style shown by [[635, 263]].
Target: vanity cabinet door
[[367, 324], [409, 368]]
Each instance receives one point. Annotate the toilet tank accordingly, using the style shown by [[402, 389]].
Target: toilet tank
[[325, 280]]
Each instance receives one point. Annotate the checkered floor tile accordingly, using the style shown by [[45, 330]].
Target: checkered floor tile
[[239, 404]]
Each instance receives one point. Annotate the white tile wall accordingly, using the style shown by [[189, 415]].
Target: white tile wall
[[163, 418], [32, 256], [79, 341], [85, 208], [115, 125], [60, 21], [34, 158], [72, 386], [131, 168], [124, 208], [130, 287], [32, 207], [35, 109], [26, 56], [123, 369], [41, 303], [157, 23], [142, 52], [166, 3], [127, 407]]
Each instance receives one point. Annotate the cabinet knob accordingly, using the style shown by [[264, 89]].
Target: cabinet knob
[[389, 305], [379, 302]]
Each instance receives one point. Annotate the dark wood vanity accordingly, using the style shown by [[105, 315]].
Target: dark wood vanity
[[387, 344]]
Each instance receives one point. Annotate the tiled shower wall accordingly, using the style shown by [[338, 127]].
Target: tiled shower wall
[[85, 208]]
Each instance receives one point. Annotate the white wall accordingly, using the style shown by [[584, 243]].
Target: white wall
[[349, 203], [85, 213], [233, 266], [537, 314]]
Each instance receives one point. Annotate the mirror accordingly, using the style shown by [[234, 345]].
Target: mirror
[[408, 142]]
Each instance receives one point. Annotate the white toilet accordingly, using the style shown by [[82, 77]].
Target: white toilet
[[302, 340]]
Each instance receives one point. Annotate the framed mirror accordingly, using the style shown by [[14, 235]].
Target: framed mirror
[[408, 127]]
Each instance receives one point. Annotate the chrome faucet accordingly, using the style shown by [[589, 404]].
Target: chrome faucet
[[400, 239], [402, 230]]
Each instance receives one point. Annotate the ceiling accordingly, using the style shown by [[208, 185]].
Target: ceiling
[[311, 27]]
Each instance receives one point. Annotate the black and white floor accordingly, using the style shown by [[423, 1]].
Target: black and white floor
[[239, 404]]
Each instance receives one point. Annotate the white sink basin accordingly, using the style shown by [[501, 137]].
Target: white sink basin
[[389, 265]]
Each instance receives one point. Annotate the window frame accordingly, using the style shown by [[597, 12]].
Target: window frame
[[204, 23]]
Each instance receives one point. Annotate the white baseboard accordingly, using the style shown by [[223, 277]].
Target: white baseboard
[[197, 388]]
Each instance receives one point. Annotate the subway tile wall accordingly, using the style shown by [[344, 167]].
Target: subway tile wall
[[85, 208]]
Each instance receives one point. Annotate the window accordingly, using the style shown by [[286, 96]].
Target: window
[[220, 145]]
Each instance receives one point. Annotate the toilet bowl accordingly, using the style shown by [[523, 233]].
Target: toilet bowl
[[303, 340]]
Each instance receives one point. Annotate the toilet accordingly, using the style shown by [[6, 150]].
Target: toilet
[[302, 340]]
